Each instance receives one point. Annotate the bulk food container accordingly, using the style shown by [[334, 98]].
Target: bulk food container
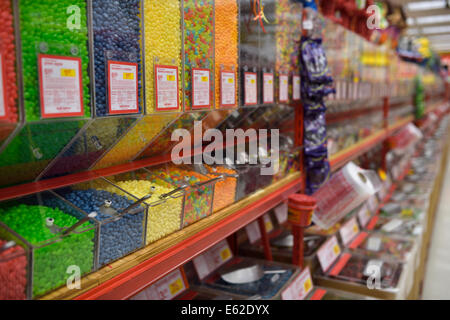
[[13, 271], [55, 235], [164, 207], [120, 220], [356, 273], [245, 278], [199, 193], [322, 293]]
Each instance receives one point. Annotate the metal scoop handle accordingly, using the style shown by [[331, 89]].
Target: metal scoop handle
[[79, 223], [174, 191]]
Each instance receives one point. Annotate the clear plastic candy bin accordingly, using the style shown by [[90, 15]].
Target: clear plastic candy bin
[[120, 220], [56, 236], [164, 207], [199, 193]]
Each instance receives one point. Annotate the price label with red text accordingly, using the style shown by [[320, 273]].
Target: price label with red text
[[328, 253], [201, 88], [250, 88], [268, 86], [281, 213], [253, 232], [372, 204], [212, 259], [61, 87], [166, 87], [364, 215], [284, 87], [123, 87], [227, 89], [268, 223], [299, 288], [296, 88], [165, 289], [349, 231]]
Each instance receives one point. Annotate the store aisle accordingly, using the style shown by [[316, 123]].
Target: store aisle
[[437, 274]]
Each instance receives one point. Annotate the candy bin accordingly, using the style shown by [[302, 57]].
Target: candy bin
[[248, 52], [198, 67], [226, 53], [245, 278], [9, 108], [117, 62], [165, 206], [54, 74], [322, 293], [58, 236], [199, 191], [13, 271], [399, 226], [120, 217], [224, 190], [94, 140], [355, 273], [163, 55]]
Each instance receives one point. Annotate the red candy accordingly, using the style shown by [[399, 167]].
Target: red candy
[[13, 273], [7, 51]]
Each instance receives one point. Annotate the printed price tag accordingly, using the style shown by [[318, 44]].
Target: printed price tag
[[3, 99], [349, 231], [364, 215], [166, 87], [284, 87], [165, 289], [250, 88], [123, 87], [227, 89], [281, 213], [268, 85], [299, 288], [268, 223], [201, 88], [328, 253], [296, 88], [373, 244], [61, 87], [253, 232], [212, 259]]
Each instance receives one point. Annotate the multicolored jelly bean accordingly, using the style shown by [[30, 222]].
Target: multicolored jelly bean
[[117, 37], [226, 41], [198, 43], [162, 23], [224, 190]]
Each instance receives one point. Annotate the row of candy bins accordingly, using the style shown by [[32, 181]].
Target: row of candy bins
[[13, 271], [120, 220], [117, 62], [9, 108], [89, 145], [47, 43], [226, 35], [198, 23], [198, 198], [56, 236]]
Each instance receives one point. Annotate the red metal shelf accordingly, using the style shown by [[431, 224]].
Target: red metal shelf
[[139, 277]]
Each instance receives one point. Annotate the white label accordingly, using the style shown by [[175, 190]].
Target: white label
[[201, 88], [328, 253], [268, 88], [212, 259], [372, 204], [296, 88], [364, 215], [281, 213], [392, 225], [373, 244], [166, 83], [284, 88], [123, 87], [371, 266], [165, 289], [228, 89], [253, 232], [60, 86], [268, 223], [299, 288], [307, 24], [349, 231], [2, 90], [251, 88]]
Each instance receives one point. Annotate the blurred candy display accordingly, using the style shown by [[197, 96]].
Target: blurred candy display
[[117, 37]]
